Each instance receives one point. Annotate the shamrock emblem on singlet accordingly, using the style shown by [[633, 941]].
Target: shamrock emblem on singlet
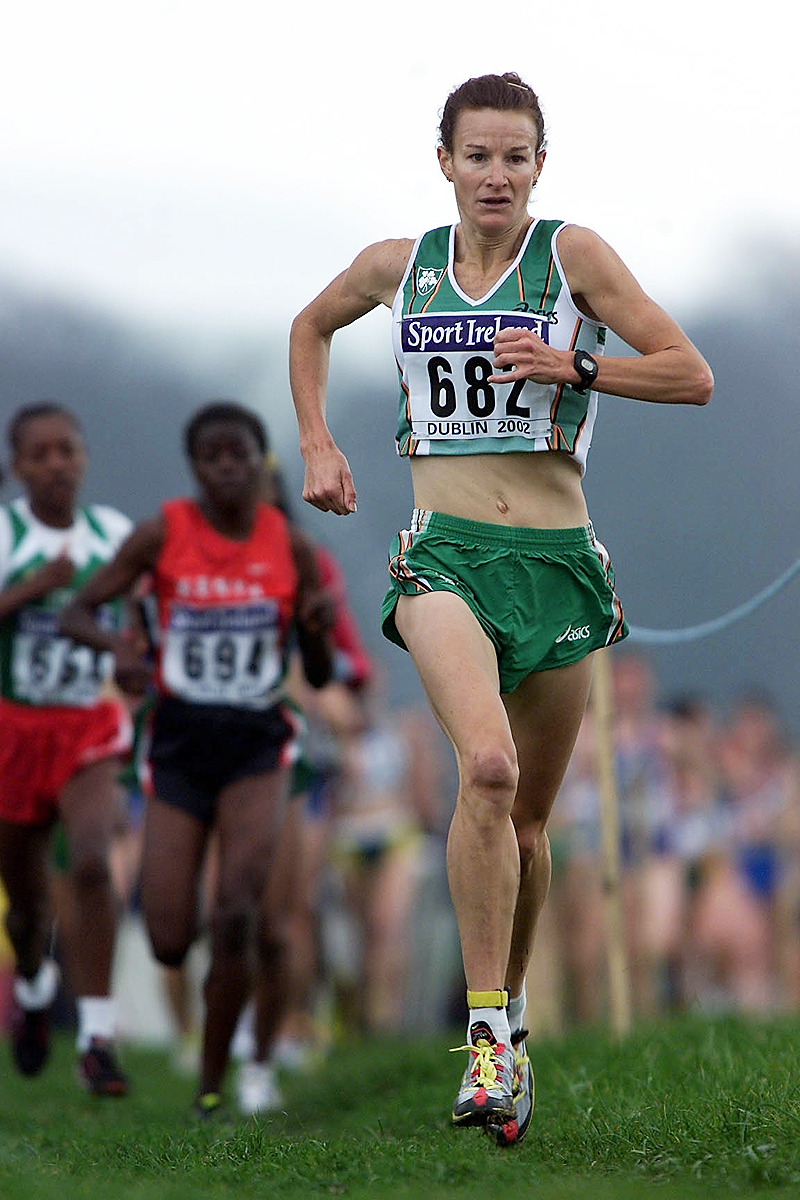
[[427, 279]]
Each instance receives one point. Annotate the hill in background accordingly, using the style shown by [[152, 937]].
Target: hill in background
[[697, 506]]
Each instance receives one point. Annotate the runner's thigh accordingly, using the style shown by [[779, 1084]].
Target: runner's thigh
[[545, 713], [457, 665], [250, 816]]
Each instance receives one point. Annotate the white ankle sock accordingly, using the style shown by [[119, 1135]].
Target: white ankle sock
[[96, 1019], [495, 1018], [516, 1010], [39, 992]]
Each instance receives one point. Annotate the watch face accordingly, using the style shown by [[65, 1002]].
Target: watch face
[[586, 367]]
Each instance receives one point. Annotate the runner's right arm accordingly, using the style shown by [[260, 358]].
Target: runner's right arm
[[54, 574], [137, 554], [372, 279]]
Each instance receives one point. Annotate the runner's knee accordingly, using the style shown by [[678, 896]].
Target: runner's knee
[[90, 872], [169, 954], [273, 942], [170, 935], [489, 778], [231, 932]]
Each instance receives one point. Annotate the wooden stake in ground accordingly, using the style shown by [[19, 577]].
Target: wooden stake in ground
[[619, 984]]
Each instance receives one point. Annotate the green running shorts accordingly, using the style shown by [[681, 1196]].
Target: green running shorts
[[544, 597]]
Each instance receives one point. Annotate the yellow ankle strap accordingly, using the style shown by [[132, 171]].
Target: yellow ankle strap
[[497, 999]]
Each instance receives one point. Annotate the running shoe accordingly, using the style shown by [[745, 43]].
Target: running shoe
[[99, 1071], [207, 1105], [30, 1038], [32, 1000], [486, 1095], [298, 1055], [513, 1131], [186, 1054], [257, 1090]]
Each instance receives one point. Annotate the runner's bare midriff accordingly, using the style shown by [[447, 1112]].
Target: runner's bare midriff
[[539, 490]]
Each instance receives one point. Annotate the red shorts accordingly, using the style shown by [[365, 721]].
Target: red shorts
[[42, 748]]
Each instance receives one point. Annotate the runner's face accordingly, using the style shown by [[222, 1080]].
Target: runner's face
[[493, 166], [228, 463], [50, 462]]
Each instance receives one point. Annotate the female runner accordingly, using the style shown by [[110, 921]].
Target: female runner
[[60, 742], [499, 588], [229, 586]]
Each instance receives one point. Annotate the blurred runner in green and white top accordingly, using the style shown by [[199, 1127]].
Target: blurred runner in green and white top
[[60, 741]]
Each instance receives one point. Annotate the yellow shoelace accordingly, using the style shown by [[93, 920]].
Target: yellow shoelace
[[485, 1064], [519, 1086]]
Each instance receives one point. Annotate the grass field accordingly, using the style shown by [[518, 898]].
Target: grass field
[[681, 1109]]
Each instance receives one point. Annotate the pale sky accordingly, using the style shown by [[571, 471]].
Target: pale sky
[[206, 167]]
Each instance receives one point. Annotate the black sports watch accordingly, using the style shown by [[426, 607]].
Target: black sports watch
[[586, 366]]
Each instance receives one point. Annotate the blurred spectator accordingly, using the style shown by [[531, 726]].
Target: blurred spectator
[[387, 800], [696, 822], [710, 850], [738, 903], [575, 902], [645, 817], [331, 715]]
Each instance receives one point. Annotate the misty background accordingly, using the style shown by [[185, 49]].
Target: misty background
[[697, 506]]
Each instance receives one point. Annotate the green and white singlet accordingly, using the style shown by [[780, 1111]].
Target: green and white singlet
[[444, 344], [37, 665]]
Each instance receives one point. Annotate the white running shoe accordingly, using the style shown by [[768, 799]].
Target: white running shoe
[[298, 1055], [243, 1042], [510, 1132], [257, 1090], [486, 1095], [186, 1054]]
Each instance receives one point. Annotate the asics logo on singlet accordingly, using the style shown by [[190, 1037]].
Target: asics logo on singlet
[[548, 314], [574, 635]]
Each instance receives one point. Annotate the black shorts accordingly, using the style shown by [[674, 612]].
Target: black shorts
[[198, 749]]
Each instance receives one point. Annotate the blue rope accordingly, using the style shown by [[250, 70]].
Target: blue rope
[[692, 633]]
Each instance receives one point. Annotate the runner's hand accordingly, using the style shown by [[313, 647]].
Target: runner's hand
[[329, 482], [58, 573], [529, 358], [132, 672], [316, 611]]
